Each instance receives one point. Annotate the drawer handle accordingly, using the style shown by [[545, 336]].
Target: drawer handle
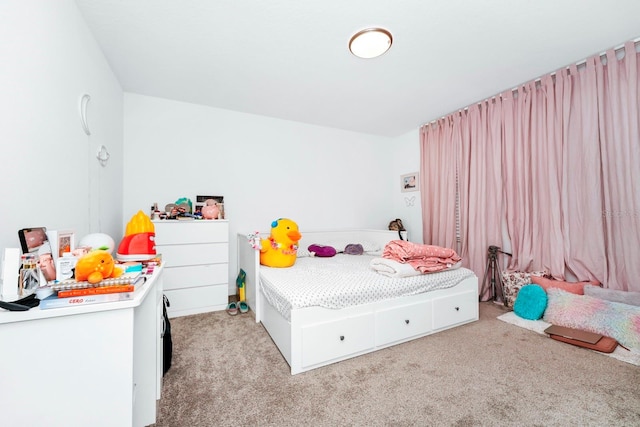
[[406, 321], [457, 308], [341, 337]]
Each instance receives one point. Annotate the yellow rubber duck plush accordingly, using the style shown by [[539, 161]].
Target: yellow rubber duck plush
[[281, 248]]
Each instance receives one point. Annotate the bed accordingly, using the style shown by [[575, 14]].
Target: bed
[[311, 333]]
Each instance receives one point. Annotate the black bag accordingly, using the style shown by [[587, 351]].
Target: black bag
[[396, 225], [167, 344]]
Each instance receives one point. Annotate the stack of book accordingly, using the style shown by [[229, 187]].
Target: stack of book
[[71, 293]]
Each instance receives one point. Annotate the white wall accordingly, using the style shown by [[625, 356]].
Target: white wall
[[48, 60], [406, 150], [265, 168]]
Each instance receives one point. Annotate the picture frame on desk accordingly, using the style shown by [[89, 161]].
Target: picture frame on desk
[[31, 239], [38, 265], [200, 202], [66, 241], [61, 241]]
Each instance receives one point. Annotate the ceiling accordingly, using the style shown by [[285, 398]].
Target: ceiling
[[289, 59]]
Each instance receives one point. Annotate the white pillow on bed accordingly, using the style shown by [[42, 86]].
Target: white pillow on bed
[[370, 248], [303, 252]]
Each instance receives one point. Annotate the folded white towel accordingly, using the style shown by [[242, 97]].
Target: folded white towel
[[393, 268]]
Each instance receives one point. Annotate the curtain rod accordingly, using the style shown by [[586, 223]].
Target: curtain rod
[[582, 62], [615, 49], [636, 42]]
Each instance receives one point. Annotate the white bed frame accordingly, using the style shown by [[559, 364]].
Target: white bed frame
[[317, 336]]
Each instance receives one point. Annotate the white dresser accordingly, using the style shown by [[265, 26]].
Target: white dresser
[[195, 255], [87, 365]]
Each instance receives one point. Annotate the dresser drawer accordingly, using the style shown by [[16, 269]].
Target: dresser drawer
[[186, 232], [454, 309], [195, 276], [400, 323], [332, 340], [184, 255], [197, 300]]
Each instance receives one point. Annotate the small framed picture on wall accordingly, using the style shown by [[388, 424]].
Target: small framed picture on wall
[[409, 182]]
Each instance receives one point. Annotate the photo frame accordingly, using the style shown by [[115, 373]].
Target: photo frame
[[409, 182], [66, 241], [31, 239], [61, 241], [38, 264], [200, 201]]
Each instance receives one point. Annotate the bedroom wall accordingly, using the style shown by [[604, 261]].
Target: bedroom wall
[[49, 59], [265, 168], [406, 206]]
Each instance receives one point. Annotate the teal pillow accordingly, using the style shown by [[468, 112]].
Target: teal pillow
[[531, 302]]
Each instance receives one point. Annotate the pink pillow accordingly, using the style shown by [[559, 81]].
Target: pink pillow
[[573, 287]]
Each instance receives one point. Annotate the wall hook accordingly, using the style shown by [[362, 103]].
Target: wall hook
[[84, 100], [103, 155]]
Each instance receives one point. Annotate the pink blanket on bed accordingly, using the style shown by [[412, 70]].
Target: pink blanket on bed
[[424, 258]]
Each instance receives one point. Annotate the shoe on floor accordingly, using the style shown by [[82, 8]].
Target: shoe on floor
[[243, 307], [232, 308]]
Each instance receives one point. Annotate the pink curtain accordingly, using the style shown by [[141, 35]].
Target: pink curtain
[[533, 176], [455, 152], [584, 252], [438, 158], [618, 96], [551, 170], [483, 153]]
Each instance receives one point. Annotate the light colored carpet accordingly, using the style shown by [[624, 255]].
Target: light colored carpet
[[620, 353], [227, 372]]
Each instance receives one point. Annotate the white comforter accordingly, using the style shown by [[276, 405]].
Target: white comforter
[[393, 268], [342, 281]]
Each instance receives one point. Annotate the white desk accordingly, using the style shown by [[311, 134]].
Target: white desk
[[92, 365]]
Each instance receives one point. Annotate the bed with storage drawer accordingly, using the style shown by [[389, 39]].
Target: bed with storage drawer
[[325, 310]]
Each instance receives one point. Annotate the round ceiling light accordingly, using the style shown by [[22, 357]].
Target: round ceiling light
[[370, 42]]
